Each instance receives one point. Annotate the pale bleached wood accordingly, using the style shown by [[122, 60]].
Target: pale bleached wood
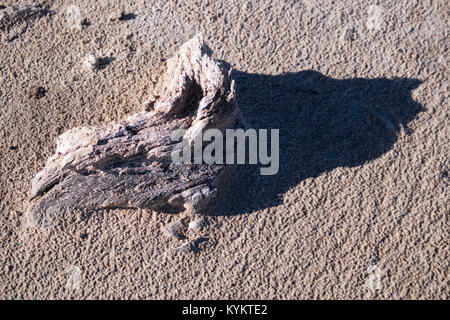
[[127, 164]]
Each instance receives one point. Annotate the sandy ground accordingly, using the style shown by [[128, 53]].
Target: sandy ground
[[359, 208]]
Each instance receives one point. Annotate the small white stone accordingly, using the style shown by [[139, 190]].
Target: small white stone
[[197, 224], [91, 61]]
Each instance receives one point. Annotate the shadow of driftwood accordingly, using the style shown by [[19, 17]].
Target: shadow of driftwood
[[324, 123]]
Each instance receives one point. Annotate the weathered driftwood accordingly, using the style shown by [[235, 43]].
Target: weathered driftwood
[[127, 164]]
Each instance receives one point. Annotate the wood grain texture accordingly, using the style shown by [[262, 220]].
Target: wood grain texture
[[127, 164]]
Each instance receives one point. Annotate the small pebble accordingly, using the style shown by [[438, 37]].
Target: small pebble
[[197, 224], [192, 246], [92, 61], [184, 248], [36, 93], [85, 23], [348, 34], [149, 103], [117, 15], [175, 229]]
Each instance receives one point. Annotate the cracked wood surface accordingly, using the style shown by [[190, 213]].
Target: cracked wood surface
[[127, 164]]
